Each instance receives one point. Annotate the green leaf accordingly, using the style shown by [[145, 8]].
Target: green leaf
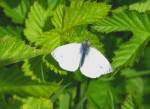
[[37, 103], [100, 95], [54, 3], [124, 21], [79, 13], [137, 23], [58, 15], [49, 41], [140, 6], [53, 65], [134, 86], [12, 51], [35, 23], [26, 68], [128, 103], [9, 30], [64, 101], [15, 82], [129, 52], [17, 11]]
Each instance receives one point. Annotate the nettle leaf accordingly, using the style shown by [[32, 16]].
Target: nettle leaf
[[39, 68], [38, 18], [37, 103], [17, 11], [79, 13], [17, 83], [124, 21], [128, 103], [59, 20], [35, 23], [127, 21], [58, 16], [9, 30], [12, 51], [26, 68], [140, 6], [35, 68], [34, 30], [49, 40], [100, 95], [53, 65], [130, 51]]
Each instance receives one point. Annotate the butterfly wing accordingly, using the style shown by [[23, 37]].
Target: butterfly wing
[[68, 56], [95, 64]]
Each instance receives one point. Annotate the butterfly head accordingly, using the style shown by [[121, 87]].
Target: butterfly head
[[85, 47]]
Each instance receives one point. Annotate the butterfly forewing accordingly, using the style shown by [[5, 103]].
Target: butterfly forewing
[[68, 56]]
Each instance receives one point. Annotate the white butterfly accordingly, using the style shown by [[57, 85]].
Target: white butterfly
[[80, 55]]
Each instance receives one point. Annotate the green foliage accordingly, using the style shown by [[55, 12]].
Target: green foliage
[[26, 68], [12, 50], [37, 103], [15, 32], [130, 51], [22, 85], [83, 13], [16, 10], [140, 6], [127, 21], [64, 101], [128, 103], [100, 94], [36, 21], [37, 32], [31, 29]]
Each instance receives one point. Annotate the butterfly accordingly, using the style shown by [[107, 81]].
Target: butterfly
[[91, 62]]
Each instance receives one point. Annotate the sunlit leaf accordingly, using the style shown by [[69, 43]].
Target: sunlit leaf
[[36, 20], [37, 103], [83, 13], [140, 6], [13, 50]]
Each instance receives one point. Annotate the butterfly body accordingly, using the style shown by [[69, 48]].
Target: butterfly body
[[84, 51], [89, 60]]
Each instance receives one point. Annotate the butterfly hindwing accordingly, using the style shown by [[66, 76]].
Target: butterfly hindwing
[[68, 56], [95, 64]]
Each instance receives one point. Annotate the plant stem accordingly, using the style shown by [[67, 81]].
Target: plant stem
[[77, 98]]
